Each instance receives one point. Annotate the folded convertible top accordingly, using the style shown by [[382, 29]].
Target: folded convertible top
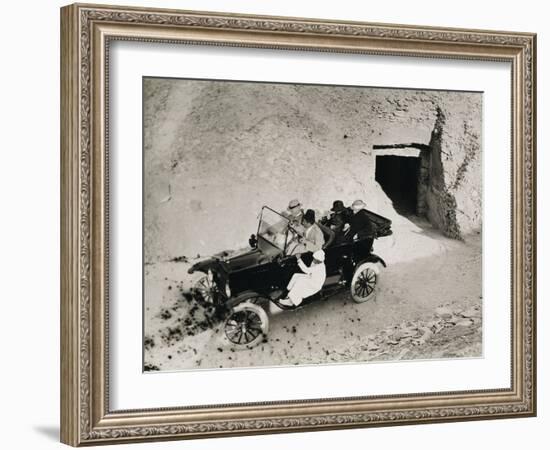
[[382, 225]]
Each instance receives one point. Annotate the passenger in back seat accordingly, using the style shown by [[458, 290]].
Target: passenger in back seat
[[361, 227], [339, 220]]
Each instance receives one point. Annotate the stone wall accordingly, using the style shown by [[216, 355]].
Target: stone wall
[[215, 152], [455, 192]]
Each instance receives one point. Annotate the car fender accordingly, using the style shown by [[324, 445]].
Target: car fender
[[374, 259], [203, 266], [241, 298]]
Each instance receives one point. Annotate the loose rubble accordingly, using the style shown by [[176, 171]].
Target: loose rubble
[[416, 339]]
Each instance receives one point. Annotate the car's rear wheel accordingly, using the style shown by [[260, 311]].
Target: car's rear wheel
[[246, 325], [364, 282]]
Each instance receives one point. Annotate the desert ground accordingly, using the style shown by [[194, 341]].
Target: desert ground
[[428, 305]]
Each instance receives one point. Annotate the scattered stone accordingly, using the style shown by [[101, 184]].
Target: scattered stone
[[426, 336], [398, 335], [444, 312], [410, 333], [472, 312], [148, 342], [403, 353]]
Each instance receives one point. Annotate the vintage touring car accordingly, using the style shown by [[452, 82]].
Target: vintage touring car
[[239, 287]]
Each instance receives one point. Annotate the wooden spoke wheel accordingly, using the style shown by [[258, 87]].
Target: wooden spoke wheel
[[364, 282], [246, 325], [203, 290]]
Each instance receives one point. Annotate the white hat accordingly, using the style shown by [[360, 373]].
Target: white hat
[[358, 204], [319, 255], [294, 203]]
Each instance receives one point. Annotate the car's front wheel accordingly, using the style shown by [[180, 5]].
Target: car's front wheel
[[246, 326], [364, 282], [203, 288]]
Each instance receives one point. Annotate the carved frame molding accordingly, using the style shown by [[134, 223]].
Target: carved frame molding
[[86, 31]]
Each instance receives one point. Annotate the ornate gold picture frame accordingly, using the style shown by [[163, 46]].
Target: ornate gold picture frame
[[87, 31]]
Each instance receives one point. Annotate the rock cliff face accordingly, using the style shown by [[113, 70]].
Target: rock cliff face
[[215, 152]]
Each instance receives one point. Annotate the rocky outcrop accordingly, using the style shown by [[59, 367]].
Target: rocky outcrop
[[215, 152], [453, 195]]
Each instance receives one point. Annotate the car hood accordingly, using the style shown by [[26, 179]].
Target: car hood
[[230, 264], [244, 260]]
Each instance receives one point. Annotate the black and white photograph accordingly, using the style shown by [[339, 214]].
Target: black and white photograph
[[297, 224]]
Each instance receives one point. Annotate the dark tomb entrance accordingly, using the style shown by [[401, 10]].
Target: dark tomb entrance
[[398, 177]]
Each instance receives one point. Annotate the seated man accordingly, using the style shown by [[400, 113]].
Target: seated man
[[294, 213], [305, 284], [361, 226], [312, 238], [339, 220]]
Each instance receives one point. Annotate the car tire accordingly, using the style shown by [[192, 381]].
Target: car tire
[[246, 325], [364, 282], [202, 289]]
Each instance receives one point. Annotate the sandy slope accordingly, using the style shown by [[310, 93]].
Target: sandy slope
[[425, 270]]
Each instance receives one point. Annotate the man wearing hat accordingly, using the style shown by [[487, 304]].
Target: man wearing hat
[[313, 236], [310, 238], [294, 212], [339, 218], [360, 224], [306, 284]]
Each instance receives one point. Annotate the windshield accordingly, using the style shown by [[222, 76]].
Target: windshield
[[273, 228]]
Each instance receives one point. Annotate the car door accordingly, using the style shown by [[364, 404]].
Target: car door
[[265, 277], [337, 257]]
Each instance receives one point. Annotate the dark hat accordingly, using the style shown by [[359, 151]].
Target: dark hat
[[309, 216], [338, 206]]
